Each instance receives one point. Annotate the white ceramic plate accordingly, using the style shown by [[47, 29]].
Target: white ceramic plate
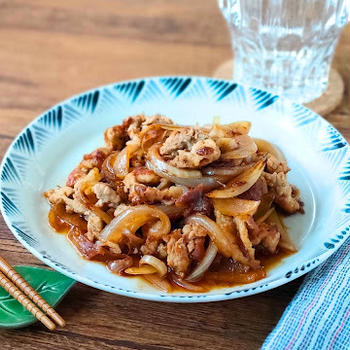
[[43, 154]]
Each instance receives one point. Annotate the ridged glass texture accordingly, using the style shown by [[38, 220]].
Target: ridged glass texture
[[285, 46]]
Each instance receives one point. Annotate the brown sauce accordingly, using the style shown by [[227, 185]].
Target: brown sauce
[[63, 222], [225, 273]]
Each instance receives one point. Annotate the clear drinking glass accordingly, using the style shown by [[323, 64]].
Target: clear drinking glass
[[285, 46]]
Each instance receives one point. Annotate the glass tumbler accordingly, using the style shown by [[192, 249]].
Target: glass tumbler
[[285, 46]]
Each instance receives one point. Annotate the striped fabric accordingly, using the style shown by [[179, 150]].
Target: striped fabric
[[318, 318]]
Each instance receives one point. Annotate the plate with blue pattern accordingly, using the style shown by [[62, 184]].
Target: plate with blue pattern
[[43, 154]]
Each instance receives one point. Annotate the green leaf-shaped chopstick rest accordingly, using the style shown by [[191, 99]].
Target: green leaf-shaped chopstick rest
[[51, 285]]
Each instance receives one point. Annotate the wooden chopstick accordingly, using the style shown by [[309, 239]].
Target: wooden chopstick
[[19, 296], [23, 285]]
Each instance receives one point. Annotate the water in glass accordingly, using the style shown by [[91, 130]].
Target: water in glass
[[285, 46]]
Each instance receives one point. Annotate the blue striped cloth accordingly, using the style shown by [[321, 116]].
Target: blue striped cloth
[[318, 318]]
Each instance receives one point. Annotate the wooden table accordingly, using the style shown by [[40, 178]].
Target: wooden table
[[50, 50]]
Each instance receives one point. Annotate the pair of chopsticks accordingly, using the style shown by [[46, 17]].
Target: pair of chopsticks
[[14, 284]]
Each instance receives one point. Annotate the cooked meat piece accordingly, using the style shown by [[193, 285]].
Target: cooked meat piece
[[95, 158], [146, 176], [286, 198], [87, 248], [196, 249], [157, 119], [192, 231], [249, 250], [119, 265], [75, 206], [264, 233], [162, 250], [227, 224], [177, 258], [202, 153], [94, 227], [134, 125], [75, 175], [195, 201], [153, 240], [105, 195], [229, 130], [114, 248], [183, 139], [271, 236], [92, 176], [190, 148], [150, 247], [120, 208], [256, 192], [115, 138], [61, 195], [139, 193], [194, 236], [273, 165], [91, 160]]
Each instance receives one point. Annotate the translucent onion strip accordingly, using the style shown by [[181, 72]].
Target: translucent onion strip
[[246, 147], [131, 219], [189, 178], [167, 169], [141, 270], [240, 183], [265, 216], [265, 146], [236, 206], [159, 283], [155, 263], [121, 164], [230, 130], [186, 285], [83, 198], [205, 263], [222, 239]]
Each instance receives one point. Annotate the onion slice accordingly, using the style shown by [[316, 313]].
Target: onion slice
[[158, 283], [172, 211], [265, 146], [240, 183], [131, 219], [229, 171], [186, 285], [246, 147], [121, 164], [205, 263], [285, 241], [221, 238], [155, 263], [235, 206], [141, 270], [229, 130], [167, 169], [189, 178], [265, 216], [208, 182], [82, 197]]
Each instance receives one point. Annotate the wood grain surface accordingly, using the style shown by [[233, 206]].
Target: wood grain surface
[[50, 50]]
